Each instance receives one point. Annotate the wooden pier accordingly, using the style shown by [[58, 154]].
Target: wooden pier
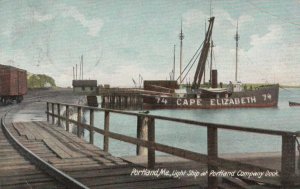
[[53, 157], [289, 175], [84, 162], [18, 172], [125, 98]]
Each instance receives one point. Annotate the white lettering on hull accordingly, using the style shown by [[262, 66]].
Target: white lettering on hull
[[189, 102], [232, 101], [217, 101]]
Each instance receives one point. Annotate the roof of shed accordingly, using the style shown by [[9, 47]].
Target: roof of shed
[[84, 83]]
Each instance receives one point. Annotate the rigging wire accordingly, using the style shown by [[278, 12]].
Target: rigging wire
[[196, 53], [190, 60], [191, 65]]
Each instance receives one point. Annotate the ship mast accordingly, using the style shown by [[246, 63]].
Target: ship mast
[[211, 57], [181, 37], [174, 64], [204, 64], [236, 37]]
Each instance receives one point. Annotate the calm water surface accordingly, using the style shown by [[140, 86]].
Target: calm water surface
[[194, 138]]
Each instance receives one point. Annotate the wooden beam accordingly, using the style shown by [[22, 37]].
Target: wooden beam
[[106, 131], [212, 153], [142, 133], [47, 112], [58, 113], [288, 158], [67, 118], [78, 121], [91, 126], [151, 139], [52, 111]]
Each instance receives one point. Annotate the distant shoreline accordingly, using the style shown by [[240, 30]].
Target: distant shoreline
[[287, 86]]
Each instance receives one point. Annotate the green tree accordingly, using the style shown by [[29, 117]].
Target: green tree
[[40, 81]]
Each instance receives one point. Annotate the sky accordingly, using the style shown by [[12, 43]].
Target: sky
[[121, 40]]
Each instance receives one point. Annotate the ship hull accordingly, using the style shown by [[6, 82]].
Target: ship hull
[[294, 103], [259, 98]]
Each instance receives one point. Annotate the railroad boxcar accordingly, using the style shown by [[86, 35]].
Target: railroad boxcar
[[13, 84]]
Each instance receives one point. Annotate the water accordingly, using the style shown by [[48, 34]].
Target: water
[[194, 138]]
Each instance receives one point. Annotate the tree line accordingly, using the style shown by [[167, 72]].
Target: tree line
[[40, 81]]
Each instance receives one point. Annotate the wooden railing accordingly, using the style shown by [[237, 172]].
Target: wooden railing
[[147, 140]]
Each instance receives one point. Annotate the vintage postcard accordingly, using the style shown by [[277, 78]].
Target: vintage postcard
[[150, 94]]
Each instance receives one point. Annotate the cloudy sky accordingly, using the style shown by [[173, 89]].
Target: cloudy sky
[[122, 39]]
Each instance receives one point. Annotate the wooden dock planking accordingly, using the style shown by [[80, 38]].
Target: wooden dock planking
[[16, 167], [101, 172], [13, 162], [40, 178], [17, 172], [71, 170], [62, 148], [56, 149], [19, 128], [38, 133], [42, 185], [127, 181], [101, 169], [79, 145], [154, 184], [25, 172], [24, 132]]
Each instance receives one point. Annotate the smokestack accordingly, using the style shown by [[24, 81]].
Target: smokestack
[[76, 72], [214, 80], [73, 73]]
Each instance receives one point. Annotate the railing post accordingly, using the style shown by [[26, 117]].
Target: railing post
[[91, 126], [106, 130], [67, 118], [78, 121], [151, 139], [53, 118], [288, 157], [212, 153], [142, 133], [58, 114], [47, 111]]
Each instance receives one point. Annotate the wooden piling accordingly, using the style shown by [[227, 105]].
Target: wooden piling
[[78, 121], [142, 133], [288, 158], [122, 100], [52, 111], [67, 118], [212, 153], [58, 112], [91, 126], [48, 112], [106, 130], [151, 139]]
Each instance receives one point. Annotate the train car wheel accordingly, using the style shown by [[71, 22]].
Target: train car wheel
[[19, 99], [4, 101]]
